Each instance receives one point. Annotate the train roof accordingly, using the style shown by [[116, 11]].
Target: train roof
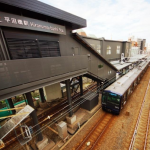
[[122, 66], [121, 85], [132, 60], [137, 58]]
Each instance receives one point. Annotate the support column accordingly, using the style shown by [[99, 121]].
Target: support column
[[69, 97], [34, 116], [98, 87], [102, 85], [81, 85], [11, 105], [42, 95]]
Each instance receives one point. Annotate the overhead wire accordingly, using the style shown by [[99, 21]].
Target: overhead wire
[[42, 127], [76, 105], [68, 110], [46, 124], [64, 113], [102, 87]]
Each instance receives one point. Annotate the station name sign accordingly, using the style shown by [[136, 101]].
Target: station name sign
[[10, 20]]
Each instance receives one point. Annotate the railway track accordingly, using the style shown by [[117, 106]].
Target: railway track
[[91, 140], [61, 106], [141, 136]]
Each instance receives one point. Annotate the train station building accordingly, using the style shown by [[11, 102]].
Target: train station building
[[38, 51]]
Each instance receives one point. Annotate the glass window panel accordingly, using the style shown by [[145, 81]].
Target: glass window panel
[[93, 45], [118, 50], [108, 52], [49, 48], [28, 48]]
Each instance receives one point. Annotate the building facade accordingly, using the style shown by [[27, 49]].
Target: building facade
[[111, 50]]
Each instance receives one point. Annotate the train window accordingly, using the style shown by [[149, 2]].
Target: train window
[[135, 83], [123, 97], [129, 90], [104, 98], [113, 98]]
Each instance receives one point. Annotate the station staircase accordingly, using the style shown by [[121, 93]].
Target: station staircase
[[94, 77], [89, 74], [84, 43]]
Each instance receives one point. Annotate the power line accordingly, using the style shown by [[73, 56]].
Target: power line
[[44, 127], [101, 87]]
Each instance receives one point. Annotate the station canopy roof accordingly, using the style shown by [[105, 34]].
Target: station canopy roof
[[38, 10]]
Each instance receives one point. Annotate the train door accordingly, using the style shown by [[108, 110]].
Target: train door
[[132, 87], [123, 100], [139, 79], [135, 83], [128, 92]]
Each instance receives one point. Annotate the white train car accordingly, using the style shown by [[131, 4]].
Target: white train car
[[115, 96]]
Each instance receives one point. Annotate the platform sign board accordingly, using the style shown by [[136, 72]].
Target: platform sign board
[[14, 121], [16, 21]]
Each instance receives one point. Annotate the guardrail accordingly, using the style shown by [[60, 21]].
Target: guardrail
[[22, 71]]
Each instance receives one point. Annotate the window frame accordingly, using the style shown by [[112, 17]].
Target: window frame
[[118, 49], [32, 48], [98, 48], [108, 51], [93, 46]]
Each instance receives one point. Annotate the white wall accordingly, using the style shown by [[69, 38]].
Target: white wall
[[52, 92]]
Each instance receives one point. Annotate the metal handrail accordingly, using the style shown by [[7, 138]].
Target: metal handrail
[[90, 73]]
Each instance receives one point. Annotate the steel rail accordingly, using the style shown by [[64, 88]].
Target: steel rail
[[138, 120], [91, 131], [147, 131], [97, 140], [89, 88]]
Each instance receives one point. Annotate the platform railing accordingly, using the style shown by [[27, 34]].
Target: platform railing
[[23, 71]]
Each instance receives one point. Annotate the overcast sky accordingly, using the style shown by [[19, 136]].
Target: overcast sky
[[116, 19]]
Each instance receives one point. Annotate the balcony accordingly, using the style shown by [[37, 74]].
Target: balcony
[[22, 75]]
